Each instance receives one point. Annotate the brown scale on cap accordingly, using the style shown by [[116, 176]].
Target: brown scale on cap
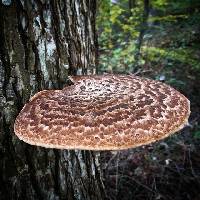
[[107, 112]]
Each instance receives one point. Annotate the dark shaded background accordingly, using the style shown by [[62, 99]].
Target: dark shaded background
[[159, 39]]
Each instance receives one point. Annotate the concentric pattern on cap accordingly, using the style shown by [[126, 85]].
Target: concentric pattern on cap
[[107, 112]]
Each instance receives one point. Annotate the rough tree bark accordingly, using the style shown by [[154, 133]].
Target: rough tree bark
[[41, 43]]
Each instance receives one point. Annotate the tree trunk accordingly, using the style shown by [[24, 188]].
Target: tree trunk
[[41, 43], [131, 5], [144, 26]]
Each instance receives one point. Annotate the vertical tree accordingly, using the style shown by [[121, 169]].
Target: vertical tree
[[143, 28], [41, 43]]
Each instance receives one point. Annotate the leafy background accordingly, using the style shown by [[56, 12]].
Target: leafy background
[[159, 39]]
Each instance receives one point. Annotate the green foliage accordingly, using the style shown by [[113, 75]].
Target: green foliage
[[119, 28], [181, 55], [119, 60], [170, 40], [196, 134], [167, 18]]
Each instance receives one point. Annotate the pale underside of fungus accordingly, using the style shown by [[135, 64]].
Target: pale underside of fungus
[[105, 112]]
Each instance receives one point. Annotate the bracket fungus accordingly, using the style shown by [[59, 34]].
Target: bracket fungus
[[103, 112]]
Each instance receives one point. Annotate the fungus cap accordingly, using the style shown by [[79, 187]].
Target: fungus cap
[[106, 112]]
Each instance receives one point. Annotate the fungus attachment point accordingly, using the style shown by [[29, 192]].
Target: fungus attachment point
[[106, 112]]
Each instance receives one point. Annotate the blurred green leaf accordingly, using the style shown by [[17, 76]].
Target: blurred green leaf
[[197, 134]]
